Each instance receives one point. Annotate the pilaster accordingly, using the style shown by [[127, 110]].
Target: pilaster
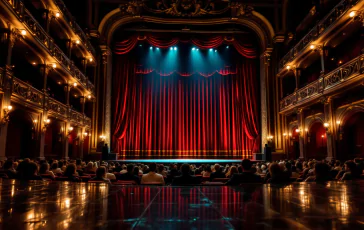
[[301, 125], [329, 125]]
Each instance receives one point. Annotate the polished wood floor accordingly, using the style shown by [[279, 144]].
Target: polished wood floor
[[66, 205]]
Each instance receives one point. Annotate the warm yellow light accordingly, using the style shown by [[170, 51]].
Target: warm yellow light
[[102, 137], [322, 136], [9, 107], [54, 65], [326, 124], [35, 121], [90, 59], [70, 128], [23, 32], [89, 96], [306, 130], [290, 134], [77, 41], [312, 46], [34, 63], [47, 121], [352, 14], [288, 67], [85, 134], [338, 122], [57, 15], [284, 134], [75, 84], [297, 130]]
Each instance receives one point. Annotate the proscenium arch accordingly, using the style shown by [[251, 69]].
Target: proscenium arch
[[257, 23]]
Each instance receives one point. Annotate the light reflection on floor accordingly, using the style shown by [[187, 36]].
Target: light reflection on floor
[[65, 205]]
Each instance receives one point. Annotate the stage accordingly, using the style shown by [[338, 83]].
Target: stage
[[178, 161]]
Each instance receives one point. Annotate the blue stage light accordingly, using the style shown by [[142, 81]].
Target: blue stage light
[[227, 47], [210, 49], [196, 49], [215, 51], [175, 48], [157, 48], [151, 47], [171, 48], [193, 48], [140, 45]]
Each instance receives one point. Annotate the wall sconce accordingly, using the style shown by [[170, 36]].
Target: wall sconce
[[77, 42], [340, 135], [58, 15], [269, 138], [75, 84], [90, 59], [298, 130], [6, 117], [23, 32], [103, 137], [70, 129], [288, 67], [45, 125], [89, 96], [284, 134], [54, 65]]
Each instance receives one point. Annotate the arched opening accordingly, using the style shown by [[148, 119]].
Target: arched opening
[[294, 144], [317, 142], [53, 140], [352, 135], [20, 142]]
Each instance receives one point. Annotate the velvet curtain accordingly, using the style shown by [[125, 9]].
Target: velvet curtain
[[192, 115], [241, 44]]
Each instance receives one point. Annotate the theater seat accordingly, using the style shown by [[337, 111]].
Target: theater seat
[[205, 178], [223, 180], [153, 183], [125, 182]]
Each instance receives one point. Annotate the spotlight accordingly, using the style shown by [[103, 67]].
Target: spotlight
[[227, 47], [215, 51], [210, 49], [54, 65], [196, 49], [90, 59], [140, 45], [312, 46], [151, 48], [157, 48], [175, 48], [193, 48], [171, 48]]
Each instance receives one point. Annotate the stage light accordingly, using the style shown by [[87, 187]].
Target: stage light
[[326, 124], [227, 47], [193, 48], [175, 48], [210, 49], [151, 48], [23, 32], [352, 14], [171, 48], [157, 48], [196, 49], [215, 51], [57, 15], [140, 45]]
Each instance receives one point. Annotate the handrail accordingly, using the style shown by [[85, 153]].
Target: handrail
[[75, 27], [45, 39], [327, 22], [329, 82]]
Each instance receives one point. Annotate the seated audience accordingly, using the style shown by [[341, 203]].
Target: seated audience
[[44, 170], [277, 174], [161, 170], [9, 169], [71, 173], [322, 173], [186, 178], [351, 172], [55, 169], [29, 171], [124, 169], [152, 176], [218, 173], [130, 174], [207, 172], [232, 170], [101, 175], [89, 168], [247, 176]]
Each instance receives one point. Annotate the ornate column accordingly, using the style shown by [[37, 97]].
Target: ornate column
[[107, 76], [10, 37], [69, 47], [66, 135], [297, 75], [82, 139], [264, 75], [301, 125], [329, 125]]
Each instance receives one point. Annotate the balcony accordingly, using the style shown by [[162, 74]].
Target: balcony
[[318, 33], [23, 93], [45, 41], [346, 75], [74, 26]]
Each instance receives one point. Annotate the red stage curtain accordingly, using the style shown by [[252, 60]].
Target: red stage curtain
[[240, 44], [180, 115]]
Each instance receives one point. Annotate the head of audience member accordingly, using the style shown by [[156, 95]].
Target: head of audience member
[[232, 170], [8, 165], [44, 168], [70, 170], [299, 166], [185, 169], [60, 164], [30, 170], [152, 167], [208, 168], [322, 171], [101, 172], [350, 166], [217, 168], [78, 162], [136, 170], [337, 163], [246, 165], [275, 170], [160, 168]]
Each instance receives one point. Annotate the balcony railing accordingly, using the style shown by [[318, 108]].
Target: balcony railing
[[322, 27], [43, 38], [75, 27], [344, 75], [25, 92]]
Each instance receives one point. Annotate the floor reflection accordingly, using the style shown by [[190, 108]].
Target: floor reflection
[[65, 205]]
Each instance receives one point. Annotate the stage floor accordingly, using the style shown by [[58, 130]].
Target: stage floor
[[65, 205], [176, 161]]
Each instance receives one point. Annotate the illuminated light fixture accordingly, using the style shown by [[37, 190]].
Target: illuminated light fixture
[[175, 48], [227, 47], [338, 122], [196, 49], [288, 67], [340, 62], [215, 51], [157, 48], [85, 134], [352, 14], [89, 96], [284, 134], [326, 124], [151, 47], [90, 59], [298, 130], [75, 84], [140, 45], [193, 48], [5, 119], [210, 49], [306, 130], [58, 15], [312, 46], [23, 32], [47, 121], [290, 134], [77, 41], [34, 63], [35, 121], [54, 65], [102, 137], [70, 128], [171, 48], [9, 107], [322, 136]]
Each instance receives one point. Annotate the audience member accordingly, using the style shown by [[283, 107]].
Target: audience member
[[101, 175], [186, 178], [152, 176], [246, 176], [218, 173]]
